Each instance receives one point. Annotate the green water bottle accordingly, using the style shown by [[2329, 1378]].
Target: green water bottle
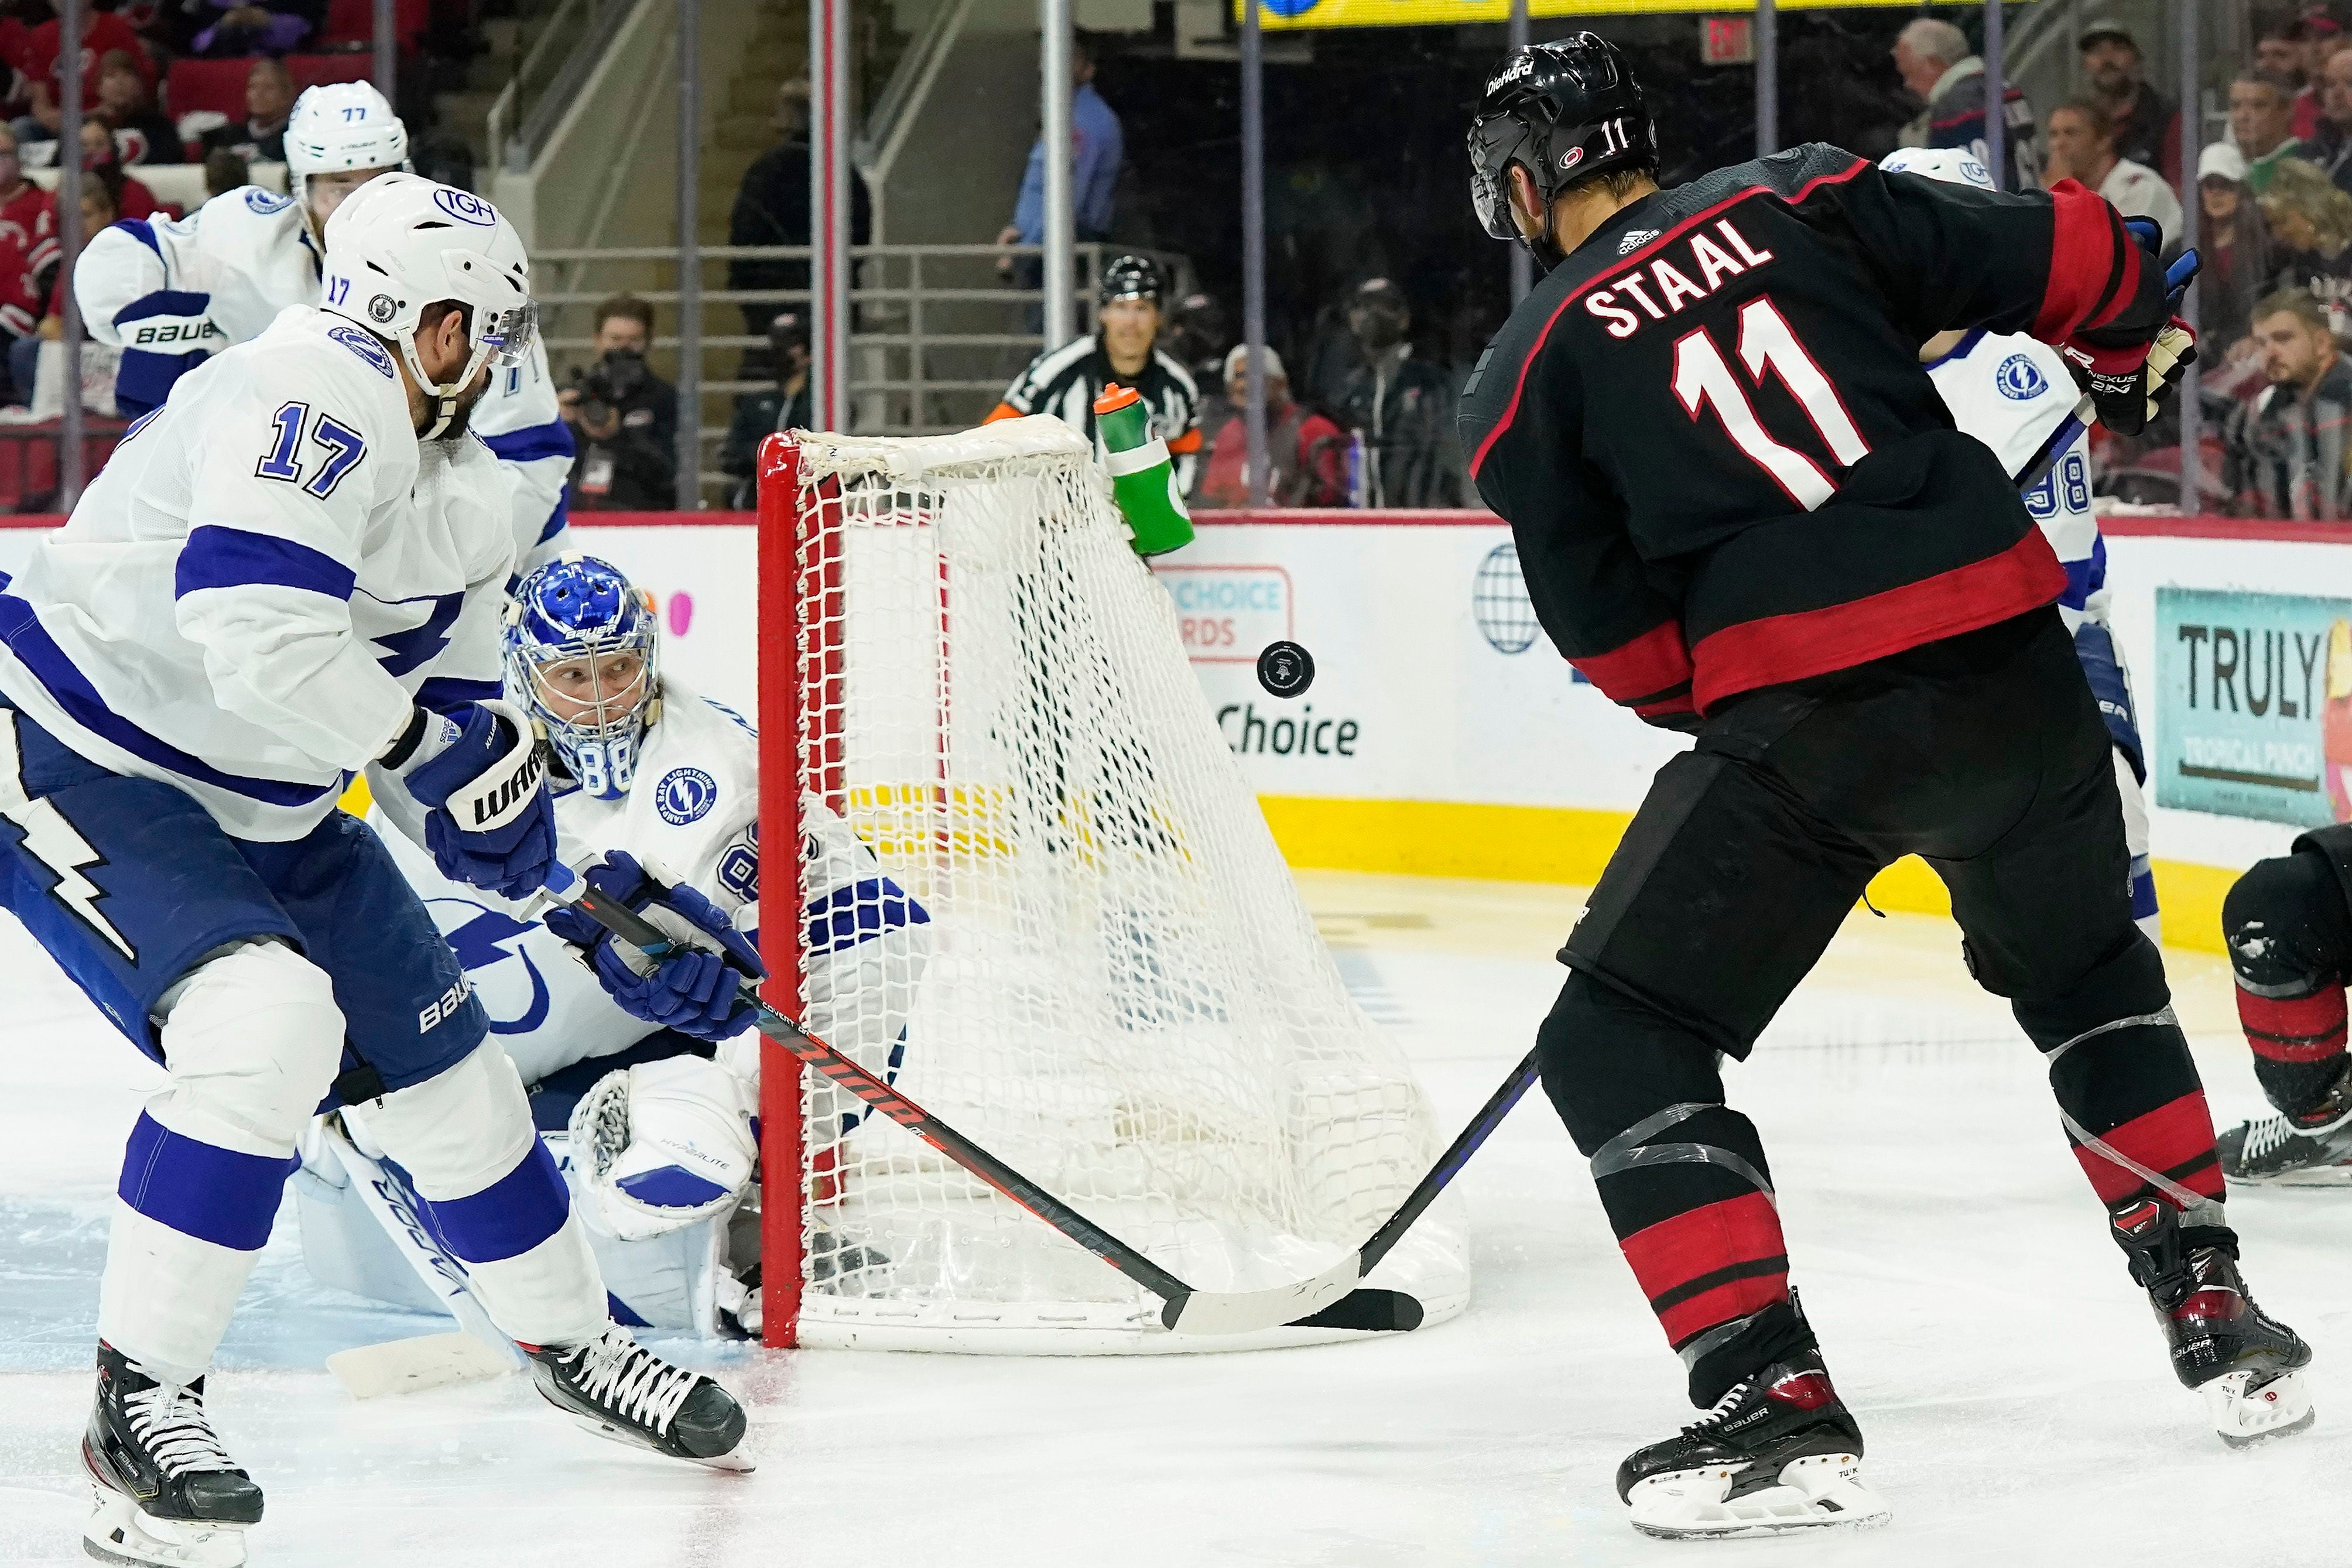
[[1142, 475]]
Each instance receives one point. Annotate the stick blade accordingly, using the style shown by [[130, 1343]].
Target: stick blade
[[1370, 1312], [1247, 1311], [413, 1366]]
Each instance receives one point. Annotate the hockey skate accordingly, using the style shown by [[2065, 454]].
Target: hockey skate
[[2310, 1150], [166, 1490], [2247, 1366], [617, 1388], [1778, 1452]]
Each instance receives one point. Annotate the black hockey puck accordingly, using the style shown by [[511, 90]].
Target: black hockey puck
[[1284, 669]]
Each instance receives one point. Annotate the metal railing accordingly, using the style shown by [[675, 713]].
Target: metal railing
[[570, 39], [937, 331]]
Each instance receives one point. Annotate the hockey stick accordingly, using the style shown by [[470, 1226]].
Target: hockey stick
[[2037, 468], [1330, 1300]]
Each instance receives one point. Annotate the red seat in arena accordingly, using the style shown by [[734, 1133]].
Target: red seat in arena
[[354, 21], [219, 85]]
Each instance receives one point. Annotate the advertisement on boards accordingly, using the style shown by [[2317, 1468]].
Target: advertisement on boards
[[2254, 704]]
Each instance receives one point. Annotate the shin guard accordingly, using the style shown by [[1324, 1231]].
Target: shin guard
[[2290, 942]]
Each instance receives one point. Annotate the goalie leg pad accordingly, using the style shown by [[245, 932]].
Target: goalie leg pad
[[493, 1196], [252, 1038]]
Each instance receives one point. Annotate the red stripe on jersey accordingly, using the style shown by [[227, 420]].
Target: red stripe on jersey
[[1673, 1252], [2176, 1137], [2301, 1029], [1686, 1320], [1627, 263], [1781, 648], [2093, 265], [1642, 667]]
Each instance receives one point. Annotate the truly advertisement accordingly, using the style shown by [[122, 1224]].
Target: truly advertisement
[[2254, 704]]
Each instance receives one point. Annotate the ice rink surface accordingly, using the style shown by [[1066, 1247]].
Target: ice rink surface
[[2010, 1384]]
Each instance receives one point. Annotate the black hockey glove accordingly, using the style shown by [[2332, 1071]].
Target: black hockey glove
[[2128, 385]]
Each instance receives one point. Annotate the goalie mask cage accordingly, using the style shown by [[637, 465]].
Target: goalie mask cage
[[1082, 949]]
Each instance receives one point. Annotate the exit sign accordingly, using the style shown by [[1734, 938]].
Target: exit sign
[[1726, 41]]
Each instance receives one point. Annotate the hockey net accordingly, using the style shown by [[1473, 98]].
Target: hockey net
[[1112, 983]]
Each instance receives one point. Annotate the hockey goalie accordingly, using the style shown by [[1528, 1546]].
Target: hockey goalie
[[646, 1093]]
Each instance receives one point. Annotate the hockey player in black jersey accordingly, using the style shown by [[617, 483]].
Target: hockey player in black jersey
[[1744, 512], [2288, 922]]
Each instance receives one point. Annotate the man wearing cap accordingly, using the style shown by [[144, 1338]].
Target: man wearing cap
[[1305, 454], [1064, 382], [2147, 129], [1400, 407]]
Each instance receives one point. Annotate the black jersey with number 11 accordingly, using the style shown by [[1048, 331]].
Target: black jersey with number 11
[[1710, 432]]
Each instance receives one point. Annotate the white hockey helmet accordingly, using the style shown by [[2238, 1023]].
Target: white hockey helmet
[[338, 126], [402, 242], [1953, 166]]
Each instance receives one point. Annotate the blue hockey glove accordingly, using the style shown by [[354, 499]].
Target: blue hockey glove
[[690, 989], [492, 823]]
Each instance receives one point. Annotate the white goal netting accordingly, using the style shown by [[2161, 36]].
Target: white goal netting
[[1117, 988]]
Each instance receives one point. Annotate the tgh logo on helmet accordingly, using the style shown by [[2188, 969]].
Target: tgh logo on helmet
[[466, 207]]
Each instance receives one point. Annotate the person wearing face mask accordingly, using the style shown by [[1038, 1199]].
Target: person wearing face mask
[[172, 293], [1399, 406]]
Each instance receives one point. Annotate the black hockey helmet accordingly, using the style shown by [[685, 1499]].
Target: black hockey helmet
[[1129, 277], [1562, 110]]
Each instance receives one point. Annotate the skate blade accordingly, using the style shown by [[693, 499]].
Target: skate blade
[[2279, 1408], [120, 1533], [1821, 1492], [731, 1461]]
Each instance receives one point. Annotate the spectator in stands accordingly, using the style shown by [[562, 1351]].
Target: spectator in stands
[[2147, 131], [771, 207], [2330, 143], [761, 414], [2312, 222], [224, 171], [102, 32], [131, 198], [1124, 348], [2239, 259], [2260, 109], [29, 219], [268, 101], [1307, 455], [233, 29], [1934, 61], [101, 203], [1097, 148], [624, 417], [2322, 41], [126, 107], [2287, 454], [2082, 148], [1399, 407]]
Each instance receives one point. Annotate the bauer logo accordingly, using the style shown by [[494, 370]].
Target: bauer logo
[[1227, 614], [2020, 379], [684, 796], [465, 206]]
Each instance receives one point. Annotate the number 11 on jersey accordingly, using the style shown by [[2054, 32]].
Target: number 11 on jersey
[[1703, 376]]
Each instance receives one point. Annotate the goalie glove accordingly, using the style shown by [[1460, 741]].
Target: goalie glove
[[697, 988], [662, 1145], [2127, 385]]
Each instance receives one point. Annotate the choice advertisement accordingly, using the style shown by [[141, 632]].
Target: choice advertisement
[[2253, 711]]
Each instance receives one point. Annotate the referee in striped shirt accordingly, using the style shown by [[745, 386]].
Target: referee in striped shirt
[[1064, 382]]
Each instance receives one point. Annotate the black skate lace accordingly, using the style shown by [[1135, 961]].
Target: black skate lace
[[632, 1381], [170, 1423]]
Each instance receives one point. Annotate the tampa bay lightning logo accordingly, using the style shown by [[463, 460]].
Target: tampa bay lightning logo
[[2020, 379], [265, 202], [684, 796], [484, 940], [360, 343], [465, 206]]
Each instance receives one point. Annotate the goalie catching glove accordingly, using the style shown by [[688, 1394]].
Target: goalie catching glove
[[691, 988], [663, 1145], [489, 821]]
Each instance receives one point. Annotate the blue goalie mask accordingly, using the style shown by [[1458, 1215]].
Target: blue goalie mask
[[583, 647]]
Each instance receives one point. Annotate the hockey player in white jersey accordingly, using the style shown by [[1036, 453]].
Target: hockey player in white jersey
[[650, 1111], [171, 292], [2011, 392], [286, 575]]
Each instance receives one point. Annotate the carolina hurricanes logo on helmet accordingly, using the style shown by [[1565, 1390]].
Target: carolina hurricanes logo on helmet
[[1571, 158]]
